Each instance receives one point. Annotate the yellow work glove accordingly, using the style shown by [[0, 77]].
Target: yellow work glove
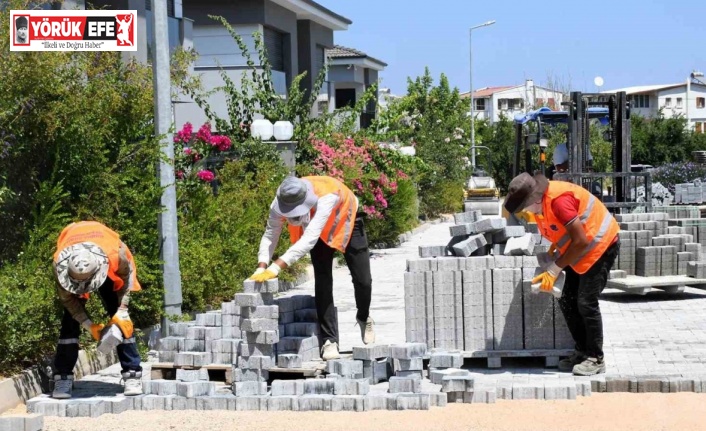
[[93, 328], [271, 272], [525, 215], [547, 278], [122, 321]]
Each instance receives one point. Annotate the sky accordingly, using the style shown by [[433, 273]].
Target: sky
[[626, 42]]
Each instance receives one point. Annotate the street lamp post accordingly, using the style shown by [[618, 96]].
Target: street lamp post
[[473, 124]]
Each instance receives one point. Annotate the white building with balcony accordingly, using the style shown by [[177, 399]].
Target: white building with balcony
[[687, 99], [492, 102]]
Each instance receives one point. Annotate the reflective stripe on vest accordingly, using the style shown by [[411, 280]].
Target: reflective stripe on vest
[[599, 224], [107, 239], [339, 227]]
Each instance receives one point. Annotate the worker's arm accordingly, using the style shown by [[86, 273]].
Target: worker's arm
[[324, 208], [270, 238], [73, 304], [125, 272], [579, 243]]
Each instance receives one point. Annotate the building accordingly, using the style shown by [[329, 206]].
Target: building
[[296, 34], [350, 74], [687, 99], [492, 102]]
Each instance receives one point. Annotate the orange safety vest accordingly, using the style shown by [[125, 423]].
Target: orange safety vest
[[339, 227], [600, 226], [105, 238]]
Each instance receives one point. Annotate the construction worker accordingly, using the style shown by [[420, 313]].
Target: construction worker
[[322, 217], [585, 243], [91, 258]]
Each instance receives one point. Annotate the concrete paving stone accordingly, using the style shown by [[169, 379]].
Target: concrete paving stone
[[251, 403], [454, 397], [262, 337], [371, 352], [438, 399], [305, 315], [380, 402], [345, 367], [281, 403], [466, 217], [348, 403], [172, 343], [159, 387], [345, 386], [287, 387], [527, 391], [183, 403], [249, 388], [252, 299], [426, 251], [195, 389], [419, 374], [457, 383], [256, 349], [480, 396], [560, 389], [301, 329], [407, 350], [598, 383], [436, 376], [446, 360], [508, 232], [226, 345], [520, 246], [228, 308], [250, 374], [319, 386], [583, 386], [257, 325], [216, 402], [448, 264], [413, 402], [196, 333], [289, 361], [270, 286], [489, 225], [415, 364], [315, 403], [193, 346], [405, 384], [462, 229], [261, 312]]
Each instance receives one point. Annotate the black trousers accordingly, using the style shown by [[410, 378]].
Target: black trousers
[[67, 348], [357, 257], [579, 303]]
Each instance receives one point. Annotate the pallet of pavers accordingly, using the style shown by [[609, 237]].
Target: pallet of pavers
[[658, 253], [473, 294]]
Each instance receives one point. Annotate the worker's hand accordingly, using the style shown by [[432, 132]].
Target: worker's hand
[[94, 328], [122, 321], [271, 272], [257, 272], [547, 278], [525, 215]]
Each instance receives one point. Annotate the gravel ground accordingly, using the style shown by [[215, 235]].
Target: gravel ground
[[625, 412]]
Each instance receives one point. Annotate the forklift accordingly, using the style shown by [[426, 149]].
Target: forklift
[[480, 192], [618, 190]]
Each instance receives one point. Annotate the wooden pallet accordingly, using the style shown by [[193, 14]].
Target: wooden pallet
[[667, 283], [494, 357], [216, 372]]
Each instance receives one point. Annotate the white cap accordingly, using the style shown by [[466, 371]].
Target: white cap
[[561, 155]]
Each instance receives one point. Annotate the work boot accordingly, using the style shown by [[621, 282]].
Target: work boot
[[63, 386], [567, 364], [133, 383], [590, 367], [330, 351], [367, 333]]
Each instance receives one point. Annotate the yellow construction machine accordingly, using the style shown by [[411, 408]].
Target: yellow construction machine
[[480, 192]]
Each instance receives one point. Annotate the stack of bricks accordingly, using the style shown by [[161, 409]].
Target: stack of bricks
[[33, 422], [259, 325], [444, 363], [299, 330], [692, 226], [689, 193], [377, 366], [463, 389], [480, 304], [475, 235]]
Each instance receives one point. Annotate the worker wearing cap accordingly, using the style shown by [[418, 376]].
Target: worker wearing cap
[[584, 238], [91, 258], [322, 217]]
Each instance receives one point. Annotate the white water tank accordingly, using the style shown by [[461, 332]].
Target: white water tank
[[262, 129]]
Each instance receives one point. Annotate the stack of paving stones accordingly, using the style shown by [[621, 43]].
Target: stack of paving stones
[[299, 331], [34, 422], [651, 247], [690, 193], [480, 302]]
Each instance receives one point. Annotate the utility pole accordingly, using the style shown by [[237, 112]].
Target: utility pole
[[168, 231], [470, 59]]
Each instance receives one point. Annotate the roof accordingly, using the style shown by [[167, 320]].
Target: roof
[[489, 91], [311, 10], [645, 88], [339, 52]]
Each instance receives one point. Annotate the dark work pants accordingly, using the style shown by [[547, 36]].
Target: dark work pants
[[579, 303], [357, 257], [67, 348]]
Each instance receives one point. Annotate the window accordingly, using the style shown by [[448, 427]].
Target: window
[[701, 102], [511, 104], [668, 102], [679, 102], [502, 104], [641, 100], [274, 44], [480, 104]]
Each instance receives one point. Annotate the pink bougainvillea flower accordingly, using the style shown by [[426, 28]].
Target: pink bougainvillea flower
[[206, 176], [188, 151], [204, 133], [180, 175], [185, 134]]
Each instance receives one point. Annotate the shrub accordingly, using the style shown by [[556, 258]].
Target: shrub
[[671, 174]]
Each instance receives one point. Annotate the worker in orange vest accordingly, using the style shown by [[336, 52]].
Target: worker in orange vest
[[585, 243], [322, 217], [91, 258]]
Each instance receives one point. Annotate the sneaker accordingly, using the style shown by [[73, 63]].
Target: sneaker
[[330, 351], [367, 333], [63, 386], [567, 364], [590, 367], [133, 383]]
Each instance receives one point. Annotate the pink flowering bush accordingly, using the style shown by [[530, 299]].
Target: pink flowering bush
[[191, 148], [380, 178]]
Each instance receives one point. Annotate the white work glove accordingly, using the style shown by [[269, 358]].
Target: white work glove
[[274, 268]]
